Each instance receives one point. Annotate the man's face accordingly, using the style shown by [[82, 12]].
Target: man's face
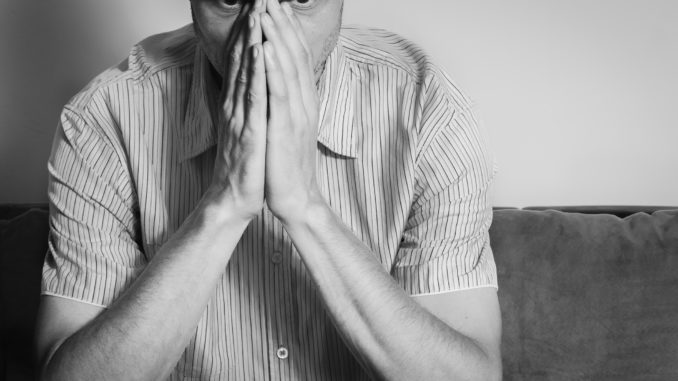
[[215, 19]]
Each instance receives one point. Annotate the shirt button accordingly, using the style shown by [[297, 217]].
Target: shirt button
[[282, 353], [276, 258]]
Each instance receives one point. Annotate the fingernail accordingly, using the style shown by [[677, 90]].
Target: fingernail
[[255, 51], [251, 21], [269, 53]]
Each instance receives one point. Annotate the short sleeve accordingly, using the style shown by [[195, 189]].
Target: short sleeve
[[93, 252], [446, 243]]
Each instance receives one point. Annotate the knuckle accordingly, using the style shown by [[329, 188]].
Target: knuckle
[[304, 56], [271, 69], [281, 96], [294, 73], [236, 119], [235, 55], [252, 98], [242, 78], [228, 104], [227, 108], [247, 137]]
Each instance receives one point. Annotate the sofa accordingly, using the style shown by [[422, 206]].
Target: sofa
[[587, 293]]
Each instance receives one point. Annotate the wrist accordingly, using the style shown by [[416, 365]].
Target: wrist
[[310, 212], [220, 206]]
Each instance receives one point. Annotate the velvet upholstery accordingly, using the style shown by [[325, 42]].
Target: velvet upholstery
[[591, 297], [23, 244]]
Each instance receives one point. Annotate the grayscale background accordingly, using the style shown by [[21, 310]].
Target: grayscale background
[[580, 97]]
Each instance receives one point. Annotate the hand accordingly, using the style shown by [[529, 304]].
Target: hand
[[293, 115], [241, 119]]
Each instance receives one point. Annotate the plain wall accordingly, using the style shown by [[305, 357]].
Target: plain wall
[[580, 97]]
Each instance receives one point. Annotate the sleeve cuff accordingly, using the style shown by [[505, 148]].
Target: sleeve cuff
[[445, 274]]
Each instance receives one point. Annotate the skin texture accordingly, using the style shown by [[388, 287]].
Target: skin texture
[[461, 341], [266, 108], [320, 21]]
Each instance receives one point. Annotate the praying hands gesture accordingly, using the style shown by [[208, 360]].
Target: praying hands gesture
[[268, 153], [266, 113], [268, 116], [293, 120]]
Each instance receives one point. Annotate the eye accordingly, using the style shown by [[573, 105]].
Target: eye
[[303, 4], [231, 3]]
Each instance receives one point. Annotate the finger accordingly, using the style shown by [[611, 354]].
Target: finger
[[285, 66], [299, 32], [278, 95], [255, 35], [304, 57], [294, 60], [233, 64], [290, 34], [256, 100], [242, 81], [273, 35], [235, 47]]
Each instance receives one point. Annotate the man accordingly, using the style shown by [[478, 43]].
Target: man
[[266, 197]]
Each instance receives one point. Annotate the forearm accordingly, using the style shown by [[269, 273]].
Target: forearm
[[142, 335], [390, 333]]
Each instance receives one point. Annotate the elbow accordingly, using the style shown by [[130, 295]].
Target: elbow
[[495, 374], [49, 368], [488, 372], [488, 369], [493, 370], [46, 359]]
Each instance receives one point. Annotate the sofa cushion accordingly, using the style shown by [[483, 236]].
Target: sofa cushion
[[582, 296], [23, 244], [588, 296]]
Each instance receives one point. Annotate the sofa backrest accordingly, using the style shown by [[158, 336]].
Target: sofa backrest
[[590, 297], [582, 296], [23, 244]]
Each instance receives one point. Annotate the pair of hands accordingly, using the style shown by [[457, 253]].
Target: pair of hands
[[268, 115]]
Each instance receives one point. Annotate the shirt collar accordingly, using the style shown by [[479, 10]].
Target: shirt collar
[[198, 133], [336, 129]]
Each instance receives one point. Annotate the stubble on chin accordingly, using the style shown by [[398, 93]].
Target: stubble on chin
[[328, 46]]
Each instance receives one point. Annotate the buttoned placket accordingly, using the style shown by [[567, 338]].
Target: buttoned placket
[[277, 285]]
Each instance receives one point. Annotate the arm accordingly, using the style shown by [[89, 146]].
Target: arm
[[393, 335], [143, 333]]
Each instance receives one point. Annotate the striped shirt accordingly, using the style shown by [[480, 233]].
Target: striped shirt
[[400, 159]]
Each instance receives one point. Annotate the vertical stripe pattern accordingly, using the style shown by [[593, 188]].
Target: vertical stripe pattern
[[401, 159]]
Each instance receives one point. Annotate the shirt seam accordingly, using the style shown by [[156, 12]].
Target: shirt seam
[[50, 293], [421, 202], [107, 142], [489, 285], [101, 89], [413, 73]]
